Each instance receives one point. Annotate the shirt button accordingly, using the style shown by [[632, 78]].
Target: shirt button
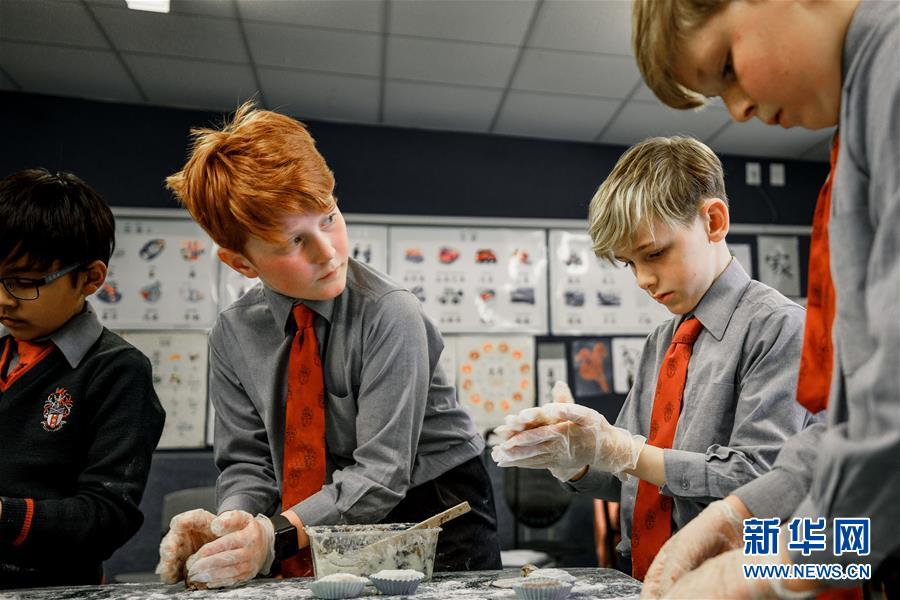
[[684, 483]]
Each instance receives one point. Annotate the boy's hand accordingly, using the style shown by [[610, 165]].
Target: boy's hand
[[578, 436], [723, 577], [188, 531], [534, 417], [718, 529], [245, 547]]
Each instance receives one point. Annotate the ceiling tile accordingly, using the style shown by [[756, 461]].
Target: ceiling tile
[[820, 152], [317, 95], [491, 21], [55, 22], [192, 83], [209, 8], [173, 35], [206, 8], [640, 120], [575, 73], [315, 49], [755, 138], [358, 15], [68, 72], [439, 106], [585, 25], [556, 117], [449, 62], [644, 93]]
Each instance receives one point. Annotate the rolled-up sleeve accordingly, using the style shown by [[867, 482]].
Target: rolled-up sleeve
[[765, 413], [394, 383]]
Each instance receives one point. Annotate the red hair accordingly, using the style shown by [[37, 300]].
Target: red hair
[[244, 178]]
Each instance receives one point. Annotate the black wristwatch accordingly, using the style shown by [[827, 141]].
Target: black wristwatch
[[285, 537]]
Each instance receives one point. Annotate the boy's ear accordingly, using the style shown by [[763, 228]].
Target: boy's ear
[[237, 262], [95, 275], [714, 213]]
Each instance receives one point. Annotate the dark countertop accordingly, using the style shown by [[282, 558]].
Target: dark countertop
[[591, 584]]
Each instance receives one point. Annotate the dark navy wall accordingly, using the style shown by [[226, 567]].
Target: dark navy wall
[[126, 151]]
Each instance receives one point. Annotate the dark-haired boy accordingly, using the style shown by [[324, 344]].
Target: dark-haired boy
[[79, 419]]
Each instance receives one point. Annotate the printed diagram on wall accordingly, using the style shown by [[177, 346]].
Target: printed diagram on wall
[[549, 371], [590, 295], [160, 277], [743, 254], [367, 244], [179, 362], [592, 365], [494, 377], [779, 263], [626, 355], [474, 280]]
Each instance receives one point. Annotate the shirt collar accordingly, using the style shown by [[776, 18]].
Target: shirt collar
[[74, 338], [717, 306], [281, 305]]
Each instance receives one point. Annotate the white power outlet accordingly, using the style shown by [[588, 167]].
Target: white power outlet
[[776, 175], [754, 174]]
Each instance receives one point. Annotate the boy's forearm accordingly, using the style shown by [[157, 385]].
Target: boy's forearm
[[650, 466]]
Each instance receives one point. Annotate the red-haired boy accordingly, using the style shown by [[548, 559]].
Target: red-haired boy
[[331, 406]]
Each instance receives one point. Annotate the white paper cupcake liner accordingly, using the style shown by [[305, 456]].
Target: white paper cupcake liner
[[397, 582], [337, 586], [542, 588]]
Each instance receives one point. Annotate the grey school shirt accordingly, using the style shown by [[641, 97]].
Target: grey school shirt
[[392, 420], [851, 468], [738, 406]]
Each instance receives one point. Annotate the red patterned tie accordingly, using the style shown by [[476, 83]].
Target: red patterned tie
[[651, 524], [304, 429], [816, 358]]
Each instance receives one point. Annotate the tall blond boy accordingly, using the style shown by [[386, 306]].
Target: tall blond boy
[[814, 65], [663, 213]]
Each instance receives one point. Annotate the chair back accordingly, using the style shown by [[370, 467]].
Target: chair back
[[187, 499]]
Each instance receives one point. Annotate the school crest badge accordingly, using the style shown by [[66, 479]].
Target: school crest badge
[[56, 410]]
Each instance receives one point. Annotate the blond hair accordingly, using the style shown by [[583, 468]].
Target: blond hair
[[250, 174], [658, 28], [660, 181]]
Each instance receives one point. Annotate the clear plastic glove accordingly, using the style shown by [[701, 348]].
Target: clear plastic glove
[[723, 577], [188, 532], [718, 529], [532, 417], [578, 436], [245, 547]]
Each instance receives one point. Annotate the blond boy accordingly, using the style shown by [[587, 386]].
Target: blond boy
[[663, 213], [814, 65]]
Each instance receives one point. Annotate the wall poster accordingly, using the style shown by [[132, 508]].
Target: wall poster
[[160, 277], [474, 280], [179, 362], [495, 376], [591, 296]]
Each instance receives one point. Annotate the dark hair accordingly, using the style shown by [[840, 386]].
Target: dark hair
[[53, 217]]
